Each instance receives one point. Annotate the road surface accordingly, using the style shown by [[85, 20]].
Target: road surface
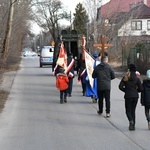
[[33, 118]]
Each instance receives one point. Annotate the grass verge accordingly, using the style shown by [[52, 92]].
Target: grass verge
[[3, 98], [4, 94]]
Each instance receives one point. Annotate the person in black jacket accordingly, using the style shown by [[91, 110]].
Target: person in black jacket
[[70, 73], [82, 77], [104, 74], [145, 97], [131, 85]]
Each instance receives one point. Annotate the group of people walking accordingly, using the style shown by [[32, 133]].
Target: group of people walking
[[102, 74]]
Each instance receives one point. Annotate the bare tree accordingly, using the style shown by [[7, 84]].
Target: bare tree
[[93, 33], [14, 23], [8, 29], [48, 13]]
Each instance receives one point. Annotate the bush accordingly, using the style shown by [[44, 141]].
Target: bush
[[143, 67]]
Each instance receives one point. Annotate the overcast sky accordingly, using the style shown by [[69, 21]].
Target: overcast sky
[[70, 4]]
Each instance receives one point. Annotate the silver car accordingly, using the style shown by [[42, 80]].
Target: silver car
[[46, 56]]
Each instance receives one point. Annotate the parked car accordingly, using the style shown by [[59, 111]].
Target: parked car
[[29, 53], [46, 56]]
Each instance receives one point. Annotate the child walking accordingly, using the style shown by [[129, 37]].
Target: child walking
[[145, 97], [62, 84]]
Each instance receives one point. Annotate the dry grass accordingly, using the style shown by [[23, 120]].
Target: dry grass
[[3, 98], [115, 64], [9, 68]]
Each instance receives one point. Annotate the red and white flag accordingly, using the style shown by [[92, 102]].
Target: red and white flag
[[62, 58]]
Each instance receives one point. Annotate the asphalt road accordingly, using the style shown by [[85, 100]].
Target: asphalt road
[[33, 118]]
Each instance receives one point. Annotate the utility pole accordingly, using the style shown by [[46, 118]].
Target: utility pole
[[95, 23], [70, 21]]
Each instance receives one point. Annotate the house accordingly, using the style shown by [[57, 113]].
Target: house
[[136, 31], [130, 24], [116, 11], [138, 22], [118, 6]]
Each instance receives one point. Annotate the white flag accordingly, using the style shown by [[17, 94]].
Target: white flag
[[89, 62]]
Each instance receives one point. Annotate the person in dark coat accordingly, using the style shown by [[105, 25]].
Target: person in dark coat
[[145, 97], [82, 77], [79, 63], [104, 74], [70, 73], [131, 86]]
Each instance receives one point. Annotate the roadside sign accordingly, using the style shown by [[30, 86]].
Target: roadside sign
[[53, 43]]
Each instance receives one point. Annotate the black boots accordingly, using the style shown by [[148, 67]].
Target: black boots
[[65, 100], [61, 101], [131, 126]]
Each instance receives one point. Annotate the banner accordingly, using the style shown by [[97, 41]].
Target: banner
[[89, 62], [62, 58]]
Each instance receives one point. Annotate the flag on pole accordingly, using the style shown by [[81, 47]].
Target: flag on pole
[[83, 47], [89, 62], [62, 58]]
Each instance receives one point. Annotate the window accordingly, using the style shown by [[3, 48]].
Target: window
[[148, 24], [136, 25]]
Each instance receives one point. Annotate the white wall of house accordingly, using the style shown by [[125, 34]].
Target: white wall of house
[[126, 30], [145, 2]]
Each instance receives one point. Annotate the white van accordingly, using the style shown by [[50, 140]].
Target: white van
[[46, 55]]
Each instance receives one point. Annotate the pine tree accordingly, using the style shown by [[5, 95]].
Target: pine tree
[[81, 19]]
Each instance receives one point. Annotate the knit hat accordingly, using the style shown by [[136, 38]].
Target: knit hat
[[70, 54], [105, 54], [148, 73], [95, 55], [132, 67], [61, 70]]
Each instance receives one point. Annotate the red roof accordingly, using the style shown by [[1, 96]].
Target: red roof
[[118, 6], [148, 3]]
